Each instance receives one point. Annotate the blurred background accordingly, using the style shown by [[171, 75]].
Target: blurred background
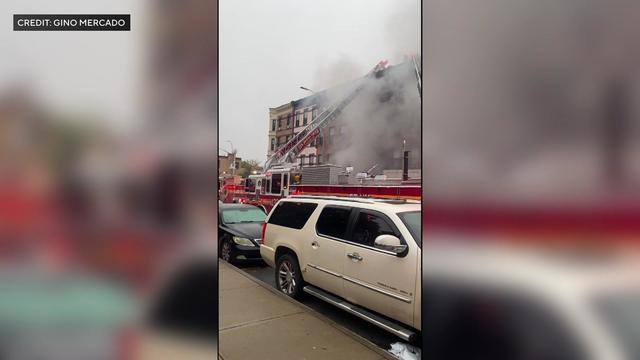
[[107, 182], [531, 180]]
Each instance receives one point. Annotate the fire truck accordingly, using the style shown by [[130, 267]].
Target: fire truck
[[283, 177]]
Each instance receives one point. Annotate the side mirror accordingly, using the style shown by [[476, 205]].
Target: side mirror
[[389, 243]]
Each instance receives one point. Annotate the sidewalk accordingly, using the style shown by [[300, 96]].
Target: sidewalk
[[257, 322]]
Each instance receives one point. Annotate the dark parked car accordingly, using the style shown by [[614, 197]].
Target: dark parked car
[[63, 315], [240, 232]]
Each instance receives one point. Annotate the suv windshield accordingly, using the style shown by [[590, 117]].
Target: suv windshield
[[233, 216], [411, 220]]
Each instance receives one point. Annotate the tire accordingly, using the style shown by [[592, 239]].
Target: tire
[[288, 276], [227, 252]]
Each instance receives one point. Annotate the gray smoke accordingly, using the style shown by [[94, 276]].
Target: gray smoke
[[335, 73], [387, 112], [379, 120], [534, 100], [403, 30]]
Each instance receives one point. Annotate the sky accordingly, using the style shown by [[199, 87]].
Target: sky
[[268, 49], [93, 73]]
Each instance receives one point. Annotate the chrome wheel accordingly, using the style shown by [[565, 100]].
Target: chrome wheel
[[225, 253], [286, 277]]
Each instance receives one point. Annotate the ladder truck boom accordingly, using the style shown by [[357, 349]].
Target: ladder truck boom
[[417, 67], [287, 152]]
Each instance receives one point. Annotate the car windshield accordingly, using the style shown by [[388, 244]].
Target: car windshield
[[249, 215], [621, 313], [411, 220]]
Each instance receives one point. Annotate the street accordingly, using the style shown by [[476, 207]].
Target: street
[[364, 329]]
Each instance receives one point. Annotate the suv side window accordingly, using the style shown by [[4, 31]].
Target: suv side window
[[292, 214], [333, 221], [369, 226]]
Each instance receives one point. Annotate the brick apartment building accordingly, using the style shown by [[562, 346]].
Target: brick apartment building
[[225, 166], [280, 126], [373, 129]]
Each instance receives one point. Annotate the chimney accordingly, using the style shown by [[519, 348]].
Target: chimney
[[405, 166]]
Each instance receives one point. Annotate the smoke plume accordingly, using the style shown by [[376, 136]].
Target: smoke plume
[[380, 121], [531, 100], [387, 113]]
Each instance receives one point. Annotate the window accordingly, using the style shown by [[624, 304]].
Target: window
[[297, 122], [319, 159], [249, 184], [273, 125], [304, 121], [276, 183], [273, 144], [312, 115], [288, 121], [305, 118], [312, 159], [368, 227], [333, 221], [302, 159], [279, 124], [413, 221], [236, 216], [315, 113], [292, 214]]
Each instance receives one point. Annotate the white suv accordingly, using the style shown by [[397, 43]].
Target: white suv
[[352, 253], [494, 300]]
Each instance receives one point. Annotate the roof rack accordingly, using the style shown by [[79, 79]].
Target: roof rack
[[365, 200], [339, 198]]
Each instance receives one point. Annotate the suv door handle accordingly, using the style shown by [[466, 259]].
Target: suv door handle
[[354, 256], [315, 245]]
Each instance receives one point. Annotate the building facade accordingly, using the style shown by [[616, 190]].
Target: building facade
[[228, 164], [281, 121], [305, 110]]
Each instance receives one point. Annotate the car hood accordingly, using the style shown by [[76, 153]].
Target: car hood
[[46, 302], [246, 230]]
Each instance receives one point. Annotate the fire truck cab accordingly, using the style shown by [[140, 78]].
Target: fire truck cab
[[264, 190], [273, 182]]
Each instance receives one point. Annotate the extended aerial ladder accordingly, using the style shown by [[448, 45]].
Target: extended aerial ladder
[[287, 152], [416, 61]]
